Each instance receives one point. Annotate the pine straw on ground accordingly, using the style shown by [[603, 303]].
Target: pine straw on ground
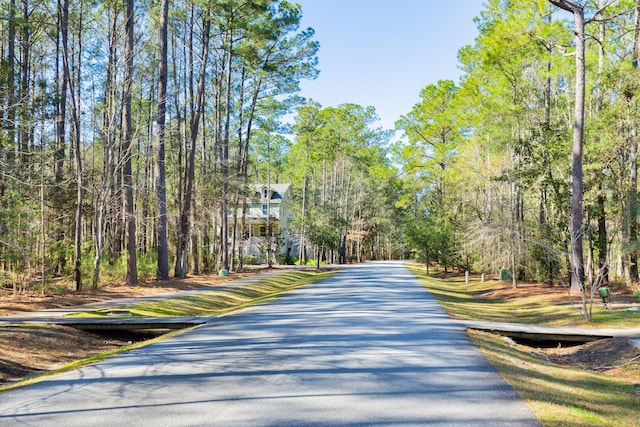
[[64, 296], [619, 295]]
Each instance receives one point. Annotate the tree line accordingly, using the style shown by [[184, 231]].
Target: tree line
[[127, 128], [131, 132], [530, 163]]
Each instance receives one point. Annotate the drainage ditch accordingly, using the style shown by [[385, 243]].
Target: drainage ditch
[[547, 343], [129, 336]]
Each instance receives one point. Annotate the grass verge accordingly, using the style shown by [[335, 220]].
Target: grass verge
[[559, 395], [225, 300], [562, 396]]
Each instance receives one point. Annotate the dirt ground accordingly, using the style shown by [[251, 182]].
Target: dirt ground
[[29, 350], [11, 303]]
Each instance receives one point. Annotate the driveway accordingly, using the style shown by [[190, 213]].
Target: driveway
[[369, 346]]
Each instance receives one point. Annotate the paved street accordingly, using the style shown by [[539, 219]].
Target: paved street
[[367, 347]]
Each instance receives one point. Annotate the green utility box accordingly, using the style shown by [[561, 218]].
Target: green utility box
[[506, 275]]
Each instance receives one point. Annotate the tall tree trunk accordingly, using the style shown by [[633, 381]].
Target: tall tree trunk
[[185, 220], [542, 212], [576, 158], [632, 200], [108, 170], [602, 239], [224, 169], [186, 74], [235, 240], [161, 184], [43, 224], [75, 118], [244, 161], [11, 86], [303, 253], [513, 238], [130, 220], [61, 91], [102, 208], [25, 117], [179, 120], [633, 167], [270, 236], [147, 226], [577, 263]]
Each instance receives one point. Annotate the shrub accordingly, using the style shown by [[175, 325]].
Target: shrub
[[286, 259]]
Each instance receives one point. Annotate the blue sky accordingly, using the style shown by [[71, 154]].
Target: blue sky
[[381, 53]]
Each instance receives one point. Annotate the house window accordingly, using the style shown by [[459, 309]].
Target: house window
[[265, 210], [265, 193], [263, 231]]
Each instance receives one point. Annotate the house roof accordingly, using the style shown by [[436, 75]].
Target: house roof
[[278, 188], [280, 193]]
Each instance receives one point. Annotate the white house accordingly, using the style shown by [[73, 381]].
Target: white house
[[269, 206]]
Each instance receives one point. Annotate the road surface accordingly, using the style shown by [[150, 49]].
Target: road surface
[[369, 346]]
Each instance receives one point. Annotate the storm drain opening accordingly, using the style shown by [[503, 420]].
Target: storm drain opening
[[545, 341], [132, 336], [537, 342]]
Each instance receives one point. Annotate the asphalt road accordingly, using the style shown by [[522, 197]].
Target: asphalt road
[[369, 346]]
